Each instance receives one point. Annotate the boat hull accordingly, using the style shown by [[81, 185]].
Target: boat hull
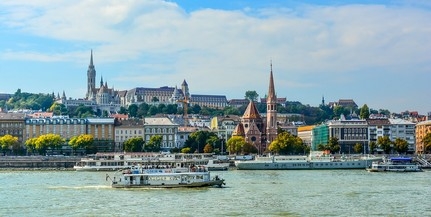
[[216, 183], [249, 165]]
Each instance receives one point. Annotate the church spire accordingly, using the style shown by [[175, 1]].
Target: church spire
[[271, 111], [91, 77], [271, 91], [91, 58]]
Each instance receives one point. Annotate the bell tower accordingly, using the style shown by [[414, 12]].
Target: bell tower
[[271, 111]]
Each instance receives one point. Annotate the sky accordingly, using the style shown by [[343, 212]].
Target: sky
[[374, 52]]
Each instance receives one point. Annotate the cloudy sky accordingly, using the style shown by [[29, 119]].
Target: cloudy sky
[[374, 52]]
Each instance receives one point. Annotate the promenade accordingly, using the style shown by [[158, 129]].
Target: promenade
[[38, 162]]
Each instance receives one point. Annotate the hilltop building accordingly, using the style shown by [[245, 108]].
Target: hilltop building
[[100, 98]]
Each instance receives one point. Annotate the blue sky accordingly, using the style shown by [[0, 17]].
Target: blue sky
[[374, 52]]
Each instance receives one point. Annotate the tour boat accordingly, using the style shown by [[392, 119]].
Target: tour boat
[[139, 177], [395, 164], [316, 160]]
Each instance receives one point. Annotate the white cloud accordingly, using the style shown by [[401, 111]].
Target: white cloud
[[207, 46]]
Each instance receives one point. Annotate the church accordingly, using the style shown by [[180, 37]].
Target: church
[[103, 95], [255, 129]]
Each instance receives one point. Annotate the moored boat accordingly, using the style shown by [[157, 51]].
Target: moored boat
[[118, 161], [216, 165], [138, 177], [395, 164], [316, 160]]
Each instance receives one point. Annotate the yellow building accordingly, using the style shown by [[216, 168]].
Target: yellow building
[[422, 128]]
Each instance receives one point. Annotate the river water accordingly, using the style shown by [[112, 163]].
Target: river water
[[247, 193]]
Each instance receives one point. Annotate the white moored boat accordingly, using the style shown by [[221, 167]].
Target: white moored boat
[[138, 177], [117, 161], [316, 160], [216, 165], [395, 164]]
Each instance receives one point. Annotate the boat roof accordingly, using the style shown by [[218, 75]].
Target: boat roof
[[166, 174], [401, 158]]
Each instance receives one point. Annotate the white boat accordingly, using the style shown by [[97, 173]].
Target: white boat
[[117, 161], [395, 164], [139, 177], [316, 160], [216, 165]]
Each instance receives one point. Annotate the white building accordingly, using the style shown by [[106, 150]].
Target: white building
[[164, 127], [403, 129], [127, 129], [349, 133]]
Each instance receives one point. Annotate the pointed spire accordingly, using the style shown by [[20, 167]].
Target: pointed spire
[[271, 92], [91, 58], [101, 81]]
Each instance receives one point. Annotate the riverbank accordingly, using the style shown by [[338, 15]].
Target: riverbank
[[38, 162]]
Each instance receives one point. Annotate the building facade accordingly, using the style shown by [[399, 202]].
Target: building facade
[[403, 129], [422, 129], [164, 127], [65, 127], [320, 136], [349, 133], [13, 124], [127, 129]]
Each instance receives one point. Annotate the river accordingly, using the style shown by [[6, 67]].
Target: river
[[247, 193]]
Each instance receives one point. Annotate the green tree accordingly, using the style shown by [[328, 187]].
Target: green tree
[[208, 148], [134, 144], [31, 144], [373, 147], [143, 109], [249, 148], [385, 143], [154, 144], [357, 148], [321, 147], [133, 110], [58, 109], [81, 141], [9, 142], [123, 110], [196, 109], [153, 110], [46, 141], [401, 145], [365, 112], [186, 150], [83, 112], [286, 143], [229, 110], [235, 144], [333, 145], [197, 140], [251, 95]]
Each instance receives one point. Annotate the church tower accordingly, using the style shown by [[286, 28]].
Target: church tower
[[271, 111], [91, 78], [185, 89]]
